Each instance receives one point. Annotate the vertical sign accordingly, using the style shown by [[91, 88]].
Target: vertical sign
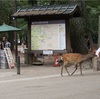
[[9, 57]]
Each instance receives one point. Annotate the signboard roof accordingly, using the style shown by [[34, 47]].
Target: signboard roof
[[71, 9]]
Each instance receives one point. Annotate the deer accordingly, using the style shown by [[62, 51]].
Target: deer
[[76, 59]]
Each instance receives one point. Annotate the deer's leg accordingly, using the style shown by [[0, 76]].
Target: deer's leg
[[75, 69], [67, 70], [65, 65], [81, 68], [62, 70]]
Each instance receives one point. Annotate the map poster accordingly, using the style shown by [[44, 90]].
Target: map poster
[[48, 35]]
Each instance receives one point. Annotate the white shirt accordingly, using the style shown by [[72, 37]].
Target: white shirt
[[8, 44], [97, 52]]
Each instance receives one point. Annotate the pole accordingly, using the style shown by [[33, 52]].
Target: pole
[[15, 22], [18, 65], [99, 32]]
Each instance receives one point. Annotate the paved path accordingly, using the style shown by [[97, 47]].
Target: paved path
[[45, 82], [51, 86]]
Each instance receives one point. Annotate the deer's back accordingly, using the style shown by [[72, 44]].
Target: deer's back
[[72, 57]]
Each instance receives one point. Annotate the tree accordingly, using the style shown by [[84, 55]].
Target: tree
[[5, 11], [32, 2], [85, 26]]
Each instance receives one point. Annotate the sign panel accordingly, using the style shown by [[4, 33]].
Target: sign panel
[[48, 35], [47, 52]]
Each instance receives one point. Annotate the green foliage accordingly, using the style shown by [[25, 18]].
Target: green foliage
[[93, 11], [47, 2], [89, 23], [93, 3], [5, 11]]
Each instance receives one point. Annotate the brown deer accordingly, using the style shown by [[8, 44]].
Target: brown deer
[[76, 59]]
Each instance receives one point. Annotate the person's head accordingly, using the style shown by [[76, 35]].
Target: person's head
[[4, 38]]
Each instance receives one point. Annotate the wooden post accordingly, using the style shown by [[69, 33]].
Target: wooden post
[[26, 56], [99, 32], [18, 65], [94, 62], [29, 41], [68, 41]]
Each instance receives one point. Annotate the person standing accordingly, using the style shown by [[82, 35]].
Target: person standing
[[3, 43], [7, 44], [22, 47]]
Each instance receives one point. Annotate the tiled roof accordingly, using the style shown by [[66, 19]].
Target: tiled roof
[[72, 10]]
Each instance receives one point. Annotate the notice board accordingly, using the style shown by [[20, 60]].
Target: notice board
[[48, 35]]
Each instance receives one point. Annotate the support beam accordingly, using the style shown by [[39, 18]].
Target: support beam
[[68, 41]]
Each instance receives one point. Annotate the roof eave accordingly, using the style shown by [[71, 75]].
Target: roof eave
[[72, 11]]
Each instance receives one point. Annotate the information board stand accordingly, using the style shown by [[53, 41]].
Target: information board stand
[[9, 57]]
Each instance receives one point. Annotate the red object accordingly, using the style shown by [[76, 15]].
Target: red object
[[56, 60]]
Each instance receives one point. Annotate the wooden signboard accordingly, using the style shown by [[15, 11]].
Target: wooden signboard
[[9, 57]]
